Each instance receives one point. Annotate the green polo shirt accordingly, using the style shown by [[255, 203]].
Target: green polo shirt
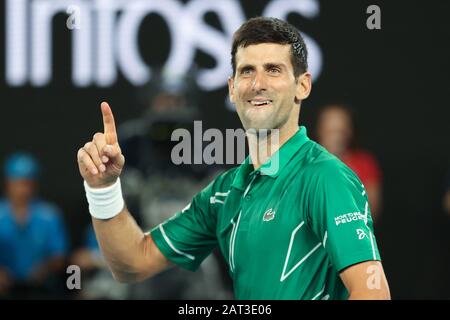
[[286, 233]]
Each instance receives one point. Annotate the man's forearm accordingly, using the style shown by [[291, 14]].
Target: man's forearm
[[370, 295], [129, 253], [124, 247]]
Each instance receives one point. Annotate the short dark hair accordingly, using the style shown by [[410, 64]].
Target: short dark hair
[[271, 30]]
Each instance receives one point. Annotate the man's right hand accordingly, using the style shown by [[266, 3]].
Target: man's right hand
[[100, 161]]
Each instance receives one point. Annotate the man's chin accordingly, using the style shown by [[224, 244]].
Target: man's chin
[[257, 127]]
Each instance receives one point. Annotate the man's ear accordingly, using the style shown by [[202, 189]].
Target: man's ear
[[304, 86], [231, 88]]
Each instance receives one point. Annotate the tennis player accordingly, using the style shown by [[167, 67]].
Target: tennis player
[[292, 223]]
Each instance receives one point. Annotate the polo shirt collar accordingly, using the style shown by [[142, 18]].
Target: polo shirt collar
[[276, 163]]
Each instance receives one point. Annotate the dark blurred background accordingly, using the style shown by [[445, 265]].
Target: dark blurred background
[[396, 79]]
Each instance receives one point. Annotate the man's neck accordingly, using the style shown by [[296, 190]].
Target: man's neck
[[20, 211], [263, 145]]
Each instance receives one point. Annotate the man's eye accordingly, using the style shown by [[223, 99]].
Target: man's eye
[[246, 72], [274, 70]]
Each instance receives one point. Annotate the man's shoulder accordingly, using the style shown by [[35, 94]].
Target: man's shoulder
[[223, 180], [321, 164], [3, 203], [4, 208], [46, 210]]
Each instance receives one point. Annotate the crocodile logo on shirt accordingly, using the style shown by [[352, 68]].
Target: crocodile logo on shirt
[[269, 215]]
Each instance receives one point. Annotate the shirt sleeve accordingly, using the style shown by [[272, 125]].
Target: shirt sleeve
[[340, 216], [189, 236]]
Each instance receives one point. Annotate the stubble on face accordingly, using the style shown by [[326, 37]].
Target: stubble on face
[[264, 87]]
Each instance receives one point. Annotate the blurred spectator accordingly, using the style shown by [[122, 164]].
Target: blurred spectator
[[32, 236], [336, 132], [88, 257]]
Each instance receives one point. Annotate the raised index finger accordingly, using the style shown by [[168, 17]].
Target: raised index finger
[[108, 124]]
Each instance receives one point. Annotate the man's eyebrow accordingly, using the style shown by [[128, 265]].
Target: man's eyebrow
[[275, 64], [267, 65], [246, 66]]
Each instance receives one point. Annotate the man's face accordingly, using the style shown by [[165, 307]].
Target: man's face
[[20, 191], [264, 88], [334, 130]]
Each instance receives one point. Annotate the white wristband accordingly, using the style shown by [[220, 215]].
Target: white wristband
[[105, 203]]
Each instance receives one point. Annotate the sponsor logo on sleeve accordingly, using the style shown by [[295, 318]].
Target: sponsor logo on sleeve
[[349, 217]]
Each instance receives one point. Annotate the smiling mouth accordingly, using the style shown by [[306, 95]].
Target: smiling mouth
[[259, 103]]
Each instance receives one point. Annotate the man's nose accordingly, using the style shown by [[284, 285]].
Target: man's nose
[[259, 82]]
